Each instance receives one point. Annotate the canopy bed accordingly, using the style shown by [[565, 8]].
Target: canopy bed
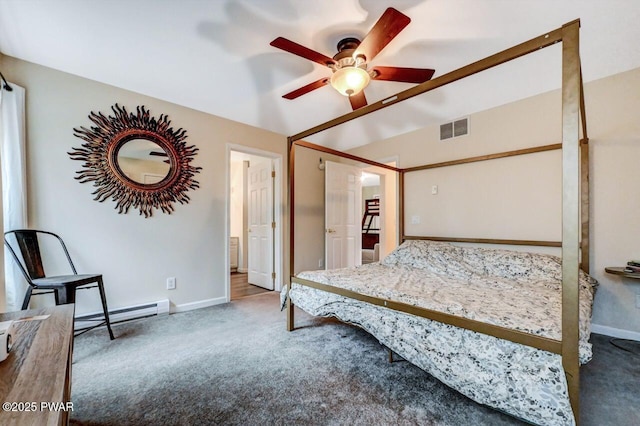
[[536, 352]]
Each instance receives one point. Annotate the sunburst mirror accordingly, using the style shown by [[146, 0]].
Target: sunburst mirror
[[137, 160]]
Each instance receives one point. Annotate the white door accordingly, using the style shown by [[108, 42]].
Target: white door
[[343, 199], [260, 211]]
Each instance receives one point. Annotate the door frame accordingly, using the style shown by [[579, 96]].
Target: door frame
[[278, 203], [386, 233]]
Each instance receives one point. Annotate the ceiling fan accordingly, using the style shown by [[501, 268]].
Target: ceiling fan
[[350, 65]]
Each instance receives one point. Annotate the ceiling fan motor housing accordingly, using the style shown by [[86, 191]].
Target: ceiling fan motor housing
[[346, 48]]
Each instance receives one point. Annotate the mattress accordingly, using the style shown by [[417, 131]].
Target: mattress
[[520, 291]]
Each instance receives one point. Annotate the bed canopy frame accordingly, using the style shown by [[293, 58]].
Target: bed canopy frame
[[575, 200]]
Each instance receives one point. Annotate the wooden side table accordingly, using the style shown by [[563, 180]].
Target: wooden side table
[[38, 368], [619, 270]]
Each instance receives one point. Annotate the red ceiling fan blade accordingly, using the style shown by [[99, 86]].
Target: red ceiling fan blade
[[300, 50], [358, 100], [306, 89], [388, 26], [405, 75]]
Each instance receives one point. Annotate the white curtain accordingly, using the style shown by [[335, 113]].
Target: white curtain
[[14, 184]]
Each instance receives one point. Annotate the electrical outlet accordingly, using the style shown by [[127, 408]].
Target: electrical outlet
[[320, 263], [171, 283], [434, 190], [638, 301], [415, 220]]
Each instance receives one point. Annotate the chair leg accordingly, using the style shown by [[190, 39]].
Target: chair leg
[[103, 297], [27, 298], [65, 295]]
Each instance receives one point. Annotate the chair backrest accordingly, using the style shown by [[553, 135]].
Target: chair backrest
[[27, 241]]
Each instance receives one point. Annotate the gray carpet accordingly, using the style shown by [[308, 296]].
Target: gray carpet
[[236, 364]]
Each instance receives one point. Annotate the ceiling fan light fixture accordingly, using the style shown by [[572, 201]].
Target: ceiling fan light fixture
[[350, 80]]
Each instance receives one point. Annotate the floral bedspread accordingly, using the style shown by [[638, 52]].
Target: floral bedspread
[[511, 289]]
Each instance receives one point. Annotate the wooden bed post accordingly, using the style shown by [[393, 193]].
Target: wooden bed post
[[571, 209], [291, 182], [584, 186], [584, 207], [401, 208]]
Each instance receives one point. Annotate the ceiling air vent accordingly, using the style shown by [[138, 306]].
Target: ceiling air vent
[[454, 129]]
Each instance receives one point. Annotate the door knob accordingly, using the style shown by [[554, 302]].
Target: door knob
[[330, 231]]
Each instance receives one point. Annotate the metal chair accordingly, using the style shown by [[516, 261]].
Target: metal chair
[[63, 286]]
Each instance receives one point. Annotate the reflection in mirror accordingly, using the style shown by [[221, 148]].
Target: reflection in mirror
[[143, 161]]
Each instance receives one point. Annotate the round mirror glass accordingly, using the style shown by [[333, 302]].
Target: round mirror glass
[[143, 161]]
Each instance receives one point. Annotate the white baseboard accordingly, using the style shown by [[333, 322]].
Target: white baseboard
[[615, 332], [123, 314], [197, 305], [161, 307]]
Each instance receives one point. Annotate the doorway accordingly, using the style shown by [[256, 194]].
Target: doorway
[[380, 187], [254, 222], [371, 220], [360, 213]]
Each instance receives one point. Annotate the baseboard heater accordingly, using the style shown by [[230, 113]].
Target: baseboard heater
[[124, 314]]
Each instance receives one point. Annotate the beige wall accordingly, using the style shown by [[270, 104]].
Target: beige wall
[[135, 254], [309, 209], [520, 197], [517, 198]]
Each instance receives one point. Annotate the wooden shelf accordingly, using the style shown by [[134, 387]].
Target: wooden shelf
[[619, 270]]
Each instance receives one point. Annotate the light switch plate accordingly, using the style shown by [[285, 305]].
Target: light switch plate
[[171, 283]]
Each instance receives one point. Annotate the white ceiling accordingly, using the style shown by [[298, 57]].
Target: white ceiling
[[215, 56]]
